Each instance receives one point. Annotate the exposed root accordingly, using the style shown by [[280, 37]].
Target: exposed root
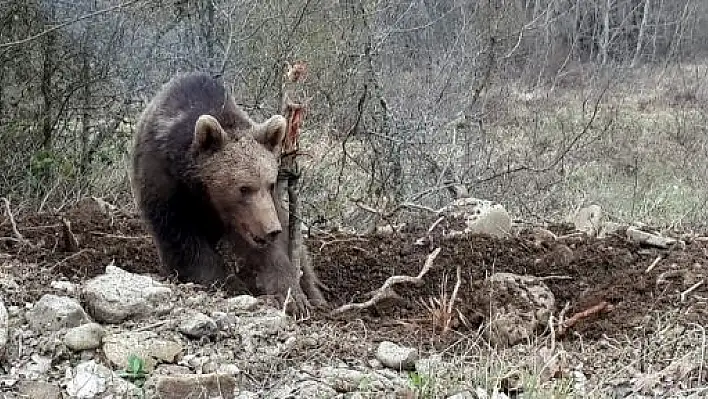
[[386, 291], [566, 325]]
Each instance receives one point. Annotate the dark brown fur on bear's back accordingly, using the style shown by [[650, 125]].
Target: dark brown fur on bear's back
[[166, 183]]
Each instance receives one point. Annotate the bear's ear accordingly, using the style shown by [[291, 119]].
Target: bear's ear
[[271, 133], [208, 134]]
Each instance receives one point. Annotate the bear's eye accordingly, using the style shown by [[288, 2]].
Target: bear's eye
[[245, 190]]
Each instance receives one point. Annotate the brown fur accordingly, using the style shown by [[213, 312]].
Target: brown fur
[[204, 171]]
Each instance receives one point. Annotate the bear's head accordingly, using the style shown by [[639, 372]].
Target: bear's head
[[239, 170]]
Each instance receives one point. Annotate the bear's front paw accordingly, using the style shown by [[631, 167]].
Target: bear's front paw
[[284, 291]]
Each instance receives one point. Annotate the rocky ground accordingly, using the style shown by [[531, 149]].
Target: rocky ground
[[590, 309]]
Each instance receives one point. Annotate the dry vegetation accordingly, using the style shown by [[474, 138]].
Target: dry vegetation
[[542, 106]]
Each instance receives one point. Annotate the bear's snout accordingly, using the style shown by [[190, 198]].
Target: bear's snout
[[272, 235]]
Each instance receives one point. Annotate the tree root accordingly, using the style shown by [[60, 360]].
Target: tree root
[[386, 291]]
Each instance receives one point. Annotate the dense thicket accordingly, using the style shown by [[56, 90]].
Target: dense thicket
[[407, 89]]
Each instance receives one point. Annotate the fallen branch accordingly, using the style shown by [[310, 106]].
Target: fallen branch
[[564, 326], [68, 258], [690, 290], [119, 236], [386, 291], [653, 264], [15, 231]]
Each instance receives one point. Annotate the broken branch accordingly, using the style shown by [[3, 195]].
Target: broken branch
[[15, 231], [564, 326], [386, 291]]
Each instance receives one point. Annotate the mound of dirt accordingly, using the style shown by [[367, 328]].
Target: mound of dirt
[[580, 271]]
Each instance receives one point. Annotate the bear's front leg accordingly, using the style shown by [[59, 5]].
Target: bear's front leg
[[192, 258], [276, 276]]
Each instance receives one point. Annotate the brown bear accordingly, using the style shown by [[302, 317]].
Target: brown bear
[[203, 172]]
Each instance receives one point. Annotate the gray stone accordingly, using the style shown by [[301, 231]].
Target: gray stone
[[222, 320], [52, 313], [588, 220], [395, 356], [307, 389], [520, 305], [193, 386], [242, 303], [36, 368], [198, 325], [342, 379], [84, 337], [118, 295], [262, 325], [642, 237], [39, 389], [143, 344]]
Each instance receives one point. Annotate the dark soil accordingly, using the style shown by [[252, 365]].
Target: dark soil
[[585, 271]]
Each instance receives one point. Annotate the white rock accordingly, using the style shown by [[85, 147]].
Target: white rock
[[642, 237], [84, 337], [479, 217], [143, 344], [119, 295], [243, 303], [64, 286], [395, 356], [588, 220], [52, 313], [88, 380], [198, 325]]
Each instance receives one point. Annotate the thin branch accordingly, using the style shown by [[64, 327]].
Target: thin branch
[[386, 291], [65, 24], [15, 231]]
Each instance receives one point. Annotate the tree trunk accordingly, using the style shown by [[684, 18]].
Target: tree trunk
[[640, 36]]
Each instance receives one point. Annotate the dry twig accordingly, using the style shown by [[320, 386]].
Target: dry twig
[[653, 264], [386, 291], [564, 326], [16, 232], [690, 290]]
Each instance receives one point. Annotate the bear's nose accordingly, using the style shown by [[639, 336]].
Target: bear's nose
[[271, 236]]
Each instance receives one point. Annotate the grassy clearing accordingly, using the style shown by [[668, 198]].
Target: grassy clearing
[[663, 358]]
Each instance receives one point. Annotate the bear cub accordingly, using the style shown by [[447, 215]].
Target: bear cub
[[203, 171]]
